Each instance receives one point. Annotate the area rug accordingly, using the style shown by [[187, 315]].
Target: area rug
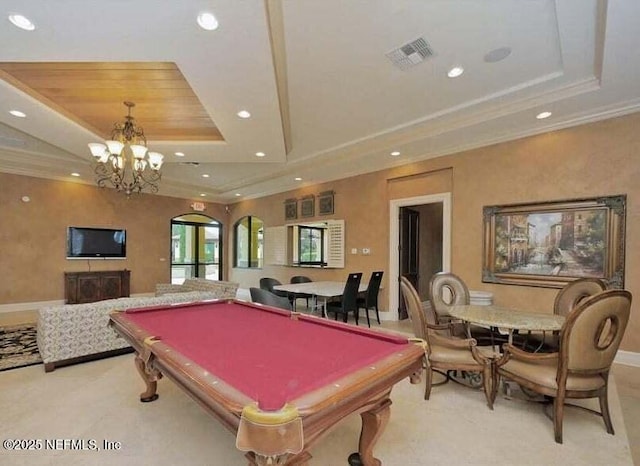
[[18, 347]]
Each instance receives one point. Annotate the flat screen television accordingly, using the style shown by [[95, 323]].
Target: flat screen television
[[96, 243]]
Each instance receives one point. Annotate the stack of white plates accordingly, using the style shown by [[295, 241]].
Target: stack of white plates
[[481, 298]]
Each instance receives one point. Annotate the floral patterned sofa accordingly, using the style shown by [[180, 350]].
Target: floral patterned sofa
[[72, 333]]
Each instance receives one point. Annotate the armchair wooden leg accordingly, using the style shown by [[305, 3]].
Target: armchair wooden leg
[[604, 410], [487, 383], [558, 412], [428, 381]]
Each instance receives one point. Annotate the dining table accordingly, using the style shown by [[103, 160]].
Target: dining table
[[503, 319], [507, 319], [322, 290]]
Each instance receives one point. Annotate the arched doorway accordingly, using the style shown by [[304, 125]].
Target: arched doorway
[[196, 248]]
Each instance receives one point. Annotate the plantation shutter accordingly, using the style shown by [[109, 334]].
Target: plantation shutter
[[335, 253]]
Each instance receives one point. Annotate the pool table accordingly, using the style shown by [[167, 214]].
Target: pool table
[[277, 379]]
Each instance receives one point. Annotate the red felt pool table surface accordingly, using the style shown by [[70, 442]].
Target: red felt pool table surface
[[279, 380], [262, 352]]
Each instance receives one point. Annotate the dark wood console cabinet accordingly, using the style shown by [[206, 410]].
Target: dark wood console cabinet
[[88, 287]]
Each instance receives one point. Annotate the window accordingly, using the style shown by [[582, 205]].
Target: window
[[311, 246], [249, 242], [196, 245], [319, 244]]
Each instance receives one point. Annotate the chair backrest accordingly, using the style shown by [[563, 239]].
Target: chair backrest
[[350, 293], [446, 282], [262, 296], [267, 283], [591, 335], [300, 279], [373, 288], [414, 308], [575, 292]]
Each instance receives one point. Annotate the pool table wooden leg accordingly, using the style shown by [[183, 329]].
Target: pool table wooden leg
[[150, 376], [373, 423]]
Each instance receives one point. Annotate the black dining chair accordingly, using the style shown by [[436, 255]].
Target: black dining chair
[[258, 295], [370, 298], [295, 296], [349, 301], [267, 283]]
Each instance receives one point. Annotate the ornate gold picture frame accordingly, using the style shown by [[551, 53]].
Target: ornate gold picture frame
[[552, 243]]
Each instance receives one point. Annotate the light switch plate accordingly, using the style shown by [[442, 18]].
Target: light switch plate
[[354, 250]]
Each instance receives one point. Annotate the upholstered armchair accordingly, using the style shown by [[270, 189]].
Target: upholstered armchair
[[568, 298], [267, 283], [575, 292], [258, 295], [444, 283], [589, 340], [445, 352]]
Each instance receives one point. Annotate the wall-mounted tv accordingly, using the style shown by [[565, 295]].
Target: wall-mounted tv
[[96, 243]]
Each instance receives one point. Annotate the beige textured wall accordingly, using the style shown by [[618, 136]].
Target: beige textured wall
[[590, 160], [33, 234]]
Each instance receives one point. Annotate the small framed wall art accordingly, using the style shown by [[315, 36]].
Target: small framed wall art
[[325, 203], [291, 209], [307, 206]]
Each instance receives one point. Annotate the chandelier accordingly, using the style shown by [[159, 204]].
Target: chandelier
[[123, 161]]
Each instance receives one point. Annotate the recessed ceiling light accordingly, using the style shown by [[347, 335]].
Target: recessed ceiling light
[[455, 71], [297, 178], [244, 114], [206, 175], [260, 154], [179, 154], [395, 153], [22, 22], [18, 113], [207, 21], [497, 54], [202, 194], [543, 115], [75, 174], [238, 194]]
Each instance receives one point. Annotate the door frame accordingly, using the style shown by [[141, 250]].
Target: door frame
[[394, 241]]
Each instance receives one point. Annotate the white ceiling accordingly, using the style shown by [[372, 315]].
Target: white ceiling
[[330, 94]]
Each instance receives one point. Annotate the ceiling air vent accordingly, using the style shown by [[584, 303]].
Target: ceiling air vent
[[409, 55]]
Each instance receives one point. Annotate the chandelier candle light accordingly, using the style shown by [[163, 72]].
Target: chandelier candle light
[[123, 161]]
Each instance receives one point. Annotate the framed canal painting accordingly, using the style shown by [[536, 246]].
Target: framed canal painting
[[552, 243]]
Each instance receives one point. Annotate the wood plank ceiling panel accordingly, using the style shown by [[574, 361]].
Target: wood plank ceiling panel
[[92, 95]]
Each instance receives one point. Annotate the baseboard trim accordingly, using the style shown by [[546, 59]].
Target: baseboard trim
[[627, 358], [32, 306]]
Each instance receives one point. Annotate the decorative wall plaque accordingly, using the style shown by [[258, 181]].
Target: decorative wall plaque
[[291, 209], [307, 206], [325, 203]]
